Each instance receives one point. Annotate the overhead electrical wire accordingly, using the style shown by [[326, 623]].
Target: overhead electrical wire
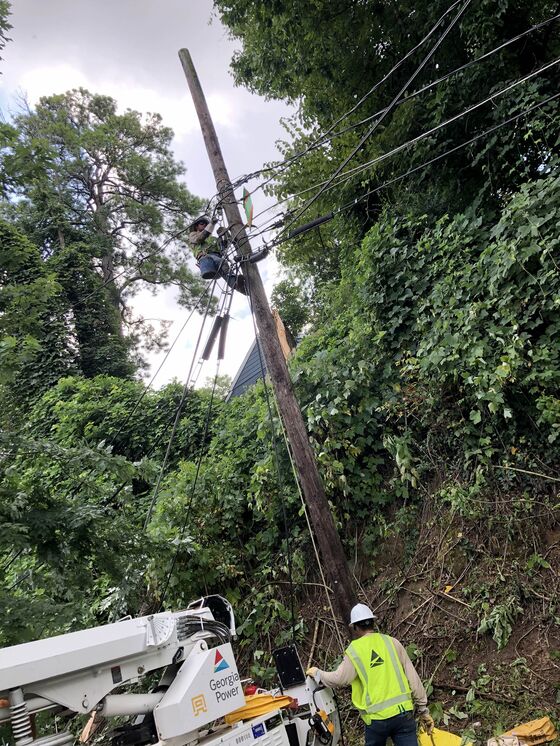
[[143, 260], [186, 509], [483, 58], [348, 175], [387, 111], [327, 137], [139, 400], [348, 113], [383, 114], [208, 290], [436, 158], [455, 148], [160, 366], [178, 411], [364, 166], [227, 298]]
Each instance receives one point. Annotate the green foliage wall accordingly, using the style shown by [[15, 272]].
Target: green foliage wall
[[430, 366], [101, 194], [445, 336], [75, 484]]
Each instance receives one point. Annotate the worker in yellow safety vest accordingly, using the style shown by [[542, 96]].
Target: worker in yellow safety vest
[[386, 688]]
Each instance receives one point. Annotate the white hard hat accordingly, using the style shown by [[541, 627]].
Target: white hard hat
[[361, 612]]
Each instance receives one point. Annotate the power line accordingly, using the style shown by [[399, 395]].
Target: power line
[[178, 411], [325, 138], [226, 306], [131, 271], [346, 175], [438, 157], [187, 508], [166, 357], [483, 58], [383, 113], [76, 489], [432, 160], [487, 132], [452, 119], [387, 111], [380, 82]]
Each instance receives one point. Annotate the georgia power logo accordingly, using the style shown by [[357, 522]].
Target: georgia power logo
[[225, 682], [220, 663]]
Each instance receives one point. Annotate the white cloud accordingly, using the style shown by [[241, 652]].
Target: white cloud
[[177, 112]]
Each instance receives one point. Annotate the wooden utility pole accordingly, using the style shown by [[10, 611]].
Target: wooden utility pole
[[334, 561]]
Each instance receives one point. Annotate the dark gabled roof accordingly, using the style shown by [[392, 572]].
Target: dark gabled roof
[[249, 372]]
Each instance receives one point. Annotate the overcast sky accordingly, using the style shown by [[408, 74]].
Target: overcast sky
[[128, 49]]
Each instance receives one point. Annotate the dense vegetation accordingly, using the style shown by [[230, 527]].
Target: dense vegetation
[[428, 373]]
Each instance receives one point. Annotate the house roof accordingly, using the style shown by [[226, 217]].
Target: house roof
[[249, 373]]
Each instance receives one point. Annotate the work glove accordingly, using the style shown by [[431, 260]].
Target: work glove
[[427, 722], [313, 672]]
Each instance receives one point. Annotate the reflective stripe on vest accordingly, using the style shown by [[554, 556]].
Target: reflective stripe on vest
[[394, 682]]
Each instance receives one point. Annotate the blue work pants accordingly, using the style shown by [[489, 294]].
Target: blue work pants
[[401, 729]]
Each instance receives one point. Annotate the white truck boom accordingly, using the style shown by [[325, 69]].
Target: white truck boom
[[77, 673]]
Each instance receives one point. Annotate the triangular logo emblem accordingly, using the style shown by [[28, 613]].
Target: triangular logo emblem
[[220, 663], [376, 659]]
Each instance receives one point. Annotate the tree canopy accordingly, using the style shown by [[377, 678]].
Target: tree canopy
[[330, 60], [4, 23], [105, 202]]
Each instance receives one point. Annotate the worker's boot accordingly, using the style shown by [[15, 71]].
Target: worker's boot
[[240, 285], [237, 283]]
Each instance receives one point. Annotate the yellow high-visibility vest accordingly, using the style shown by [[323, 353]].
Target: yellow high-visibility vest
[[380, 689]]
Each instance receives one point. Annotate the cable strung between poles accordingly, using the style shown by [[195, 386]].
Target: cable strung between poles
[[325, 138], [191, 497], [358, 169], [143, 259], [347, 175], [153, 378], [226, 305], [372, 90], [483, 58], [455, 148], [489, 131], [76, 489], [387, 111], [272, 222]]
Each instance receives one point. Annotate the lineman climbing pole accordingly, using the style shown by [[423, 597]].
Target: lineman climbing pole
[[332, 553]]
